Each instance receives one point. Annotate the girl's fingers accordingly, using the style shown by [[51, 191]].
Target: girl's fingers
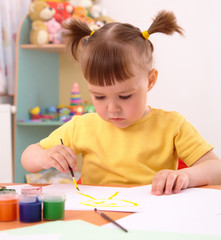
[[170, 182], [70, 156], [61, 157], [181, 183], [158, 184]]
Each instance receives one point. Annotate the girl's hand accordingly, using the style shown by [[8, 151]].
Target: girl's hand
[[168, 181], [59, 157]]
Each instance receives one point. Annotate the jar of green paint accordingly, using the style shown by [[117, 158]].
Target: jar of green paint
[[53, 205]]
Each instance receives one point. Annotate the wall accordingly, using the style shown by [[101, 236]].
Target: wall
[[189, 68], [70, 72]]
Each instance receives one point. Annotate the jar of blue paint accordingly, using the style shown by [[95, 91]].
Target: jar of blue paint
[[30, 205]]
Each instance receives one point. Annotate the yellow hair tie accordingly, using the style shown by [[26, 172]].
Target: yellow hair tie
[[145, 34], [92, 32]]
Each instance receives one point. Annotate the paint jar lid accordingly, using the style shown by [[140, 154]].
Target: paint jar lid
[[29, 199], [8, 197], [31, 191], [54, 196], [4, 189]]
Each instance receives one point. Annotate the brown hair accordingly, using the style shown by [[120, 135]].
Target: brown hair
[[111, 53]]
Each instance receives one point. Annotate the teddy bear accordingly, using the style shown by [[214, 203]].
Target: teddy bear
[[55, 31], [63, 10], [39, 33], [39, 12]]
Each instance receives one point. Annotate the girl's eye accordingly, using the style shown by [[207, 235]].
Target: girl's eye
[[99, 97], [125, 97]]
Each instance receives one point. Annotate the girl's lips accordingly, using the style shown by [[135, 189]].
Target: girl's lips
[[117, 119]]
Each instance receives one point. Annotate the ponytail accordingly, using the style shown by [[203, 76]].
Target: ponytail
[[75, 31], [165, 22], [113, 51]]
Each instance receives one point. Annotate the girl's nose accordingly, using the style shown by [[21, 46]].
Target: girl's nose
[[113, 107]]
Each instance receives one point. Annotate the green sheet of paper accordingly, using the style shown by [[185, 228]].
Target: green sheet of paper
[[78, 229]]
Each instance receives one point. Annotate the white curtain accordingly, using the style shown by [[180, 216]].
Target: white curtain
[[11, 13]]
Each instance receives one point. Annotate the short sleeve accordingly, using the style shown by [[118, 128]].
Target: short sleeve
[[190, 145], [64, 132]]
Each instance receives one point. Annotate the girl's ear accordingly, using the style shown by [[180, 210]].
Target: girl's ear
[[152, 78]]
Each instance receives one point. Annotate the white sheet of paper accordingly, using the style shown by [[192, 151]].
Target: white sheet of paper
[[194, 211], [124, 201]]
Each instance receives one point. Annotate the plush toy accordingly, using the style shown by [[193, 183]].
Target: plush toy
[[81, 14], [63, 10], [39, 12], [39, 33], [59, 1], [83, 3], [55, 31], [104, 19]]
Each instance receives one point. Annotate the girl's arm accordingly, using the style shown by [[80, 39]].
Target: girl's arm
[[206, 171], [35, 158]]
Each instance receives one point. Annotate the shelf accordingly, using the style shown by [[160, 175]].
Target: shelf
[[58, 48], [44, 123]]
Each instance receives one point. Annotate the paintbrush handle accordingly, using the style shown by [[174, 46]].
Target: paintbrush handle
[[72, 173], [110, 219]]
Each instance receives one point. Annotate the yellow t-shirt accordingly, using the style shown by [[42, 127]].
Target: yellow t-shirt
[[132, 155]]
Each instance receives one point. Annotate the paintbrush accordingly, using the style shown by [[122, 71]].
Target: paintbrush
[[71, 171], [110, 220]]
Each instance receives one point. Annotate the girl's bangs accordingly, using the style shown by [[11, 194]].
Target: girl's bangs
[[107, 63]]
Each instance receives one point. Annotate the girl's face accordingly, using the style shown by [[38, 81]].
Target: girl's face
[[124, 103]]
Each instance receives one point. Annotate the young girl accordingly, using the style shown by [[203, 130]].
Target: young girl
[[125, 141]]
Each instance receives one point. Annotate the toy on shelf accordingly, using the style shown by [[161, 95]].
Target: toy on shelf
[[75, 95], [39, 12], [63, 10], [54, 31], [48, 17], [61, 113], [88, 108], [37, 116], [76, 104], [81, 14]]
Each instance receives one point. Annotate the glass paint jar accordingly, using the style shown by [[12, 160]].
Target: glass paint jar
[[8, 206], [53, 205]]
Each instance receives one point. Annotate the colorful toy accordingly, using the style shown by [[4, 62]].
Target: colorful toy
[[36, 115], [63, 10], [75, 95], [59, 1], [39, 33], [55, 31], [76, 101], [84, 3], [89, 109], [39, 12], [64, 114], [81, 14], [35, 110]]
